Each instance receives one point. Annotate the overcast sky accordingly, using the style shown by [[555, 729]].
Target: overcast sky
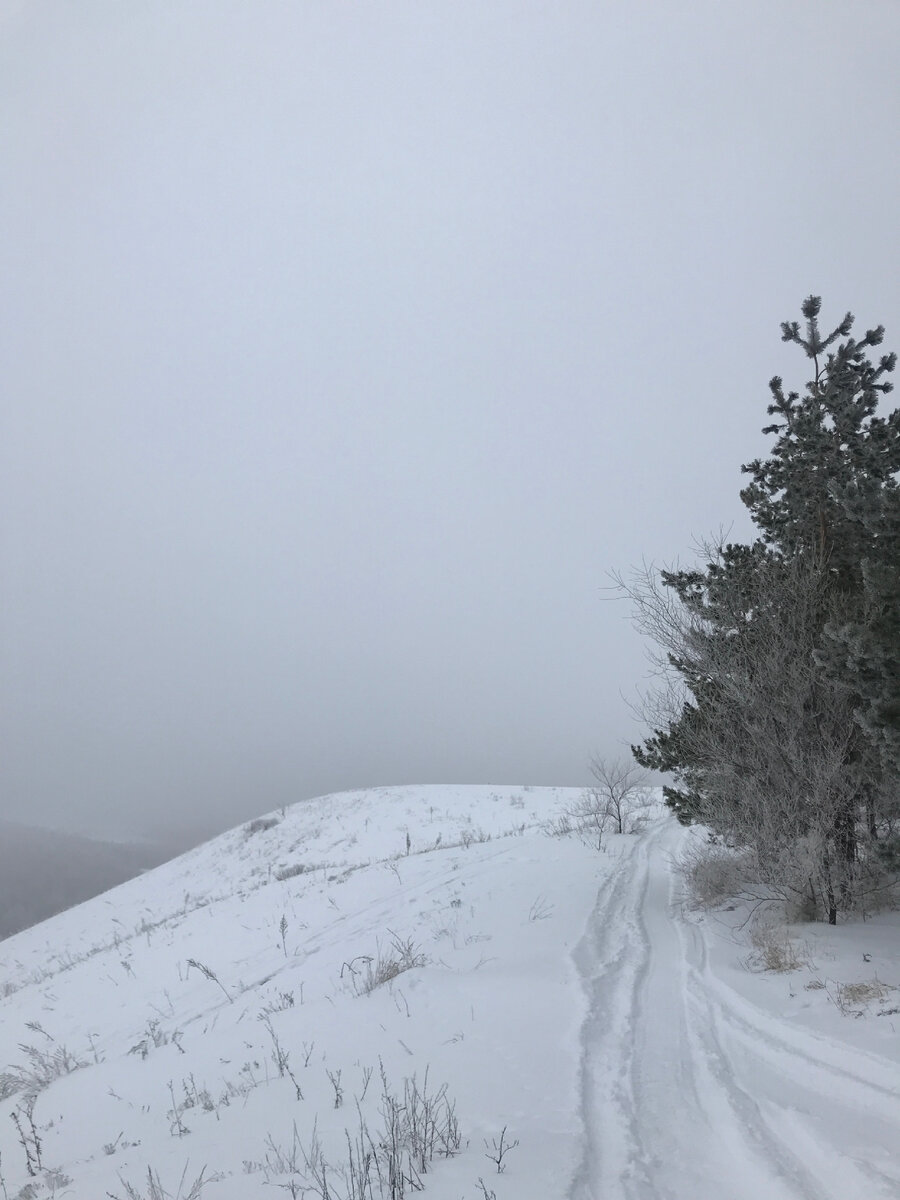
[[346, 347]]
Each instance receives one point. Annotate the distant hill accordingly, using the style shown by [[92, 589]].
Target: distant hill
[[43, 872]]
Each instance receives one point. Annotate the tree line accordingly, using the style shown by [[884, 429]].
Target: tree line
[[778, 708]]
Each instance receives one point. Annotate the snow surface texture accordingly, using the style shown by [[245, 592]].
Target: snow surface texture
[[225, 1010]]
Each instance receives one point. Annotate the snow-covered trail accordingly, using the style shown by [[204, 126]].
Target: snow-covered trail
[[688, 1090]]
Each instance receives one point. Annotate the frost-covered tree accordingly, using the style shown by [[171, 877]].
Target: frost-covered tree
[[864, 648], [764, 746], [780, 720]]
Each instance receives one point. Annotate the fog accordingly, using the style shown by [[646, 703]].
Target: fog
[[346, 348]]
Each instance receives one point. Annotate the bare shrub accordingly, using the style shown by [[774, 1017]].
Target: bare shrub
[[618, 802], [618, 792], [497, 1151], [586, 817], [471, 837]]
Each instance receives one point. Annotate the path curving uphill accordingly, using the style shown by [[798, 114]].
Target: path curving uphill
[[689, 1092]]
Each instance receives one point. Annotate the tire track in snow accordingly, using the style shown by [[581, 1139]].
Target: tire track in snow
[[610, 958], [833, 1105], [796, 1050], [670, 1110]]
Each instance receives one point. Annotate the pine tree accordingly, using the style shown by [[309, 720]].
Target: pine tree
[[828, 438], [787, 726], [865, 649]]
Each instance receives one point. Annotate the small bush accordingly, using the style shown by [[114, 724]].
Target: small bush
[[290, 872], [471, 837], [712, 874], [617, 807], [259, 825], [589, 816]]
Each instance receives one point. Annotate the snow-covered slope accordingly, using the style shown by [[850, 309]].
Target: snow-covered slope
[[180, 1062], [287, 986]]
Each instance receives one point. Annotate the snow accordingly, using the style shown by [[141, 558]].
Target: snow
[[628, 1044]]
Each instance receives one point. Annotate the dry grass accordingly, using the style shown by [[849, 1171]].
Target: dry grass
[[369, 972], [156, 1191], [857, 996], [43, 1065], [863, 993], [773, 950], [559, 827]]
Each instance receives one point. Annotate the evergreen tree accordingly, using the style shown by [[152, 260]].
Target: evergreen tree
[[785, 736], [865, 649], [829, 487], [828, 439], [763, 744]]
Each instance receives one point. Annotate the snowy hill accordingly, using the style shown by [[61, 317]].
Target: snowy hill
[[379, 991]]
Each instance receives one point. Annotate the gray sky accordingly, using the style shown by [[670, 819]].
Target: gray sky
[[345, 347]]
